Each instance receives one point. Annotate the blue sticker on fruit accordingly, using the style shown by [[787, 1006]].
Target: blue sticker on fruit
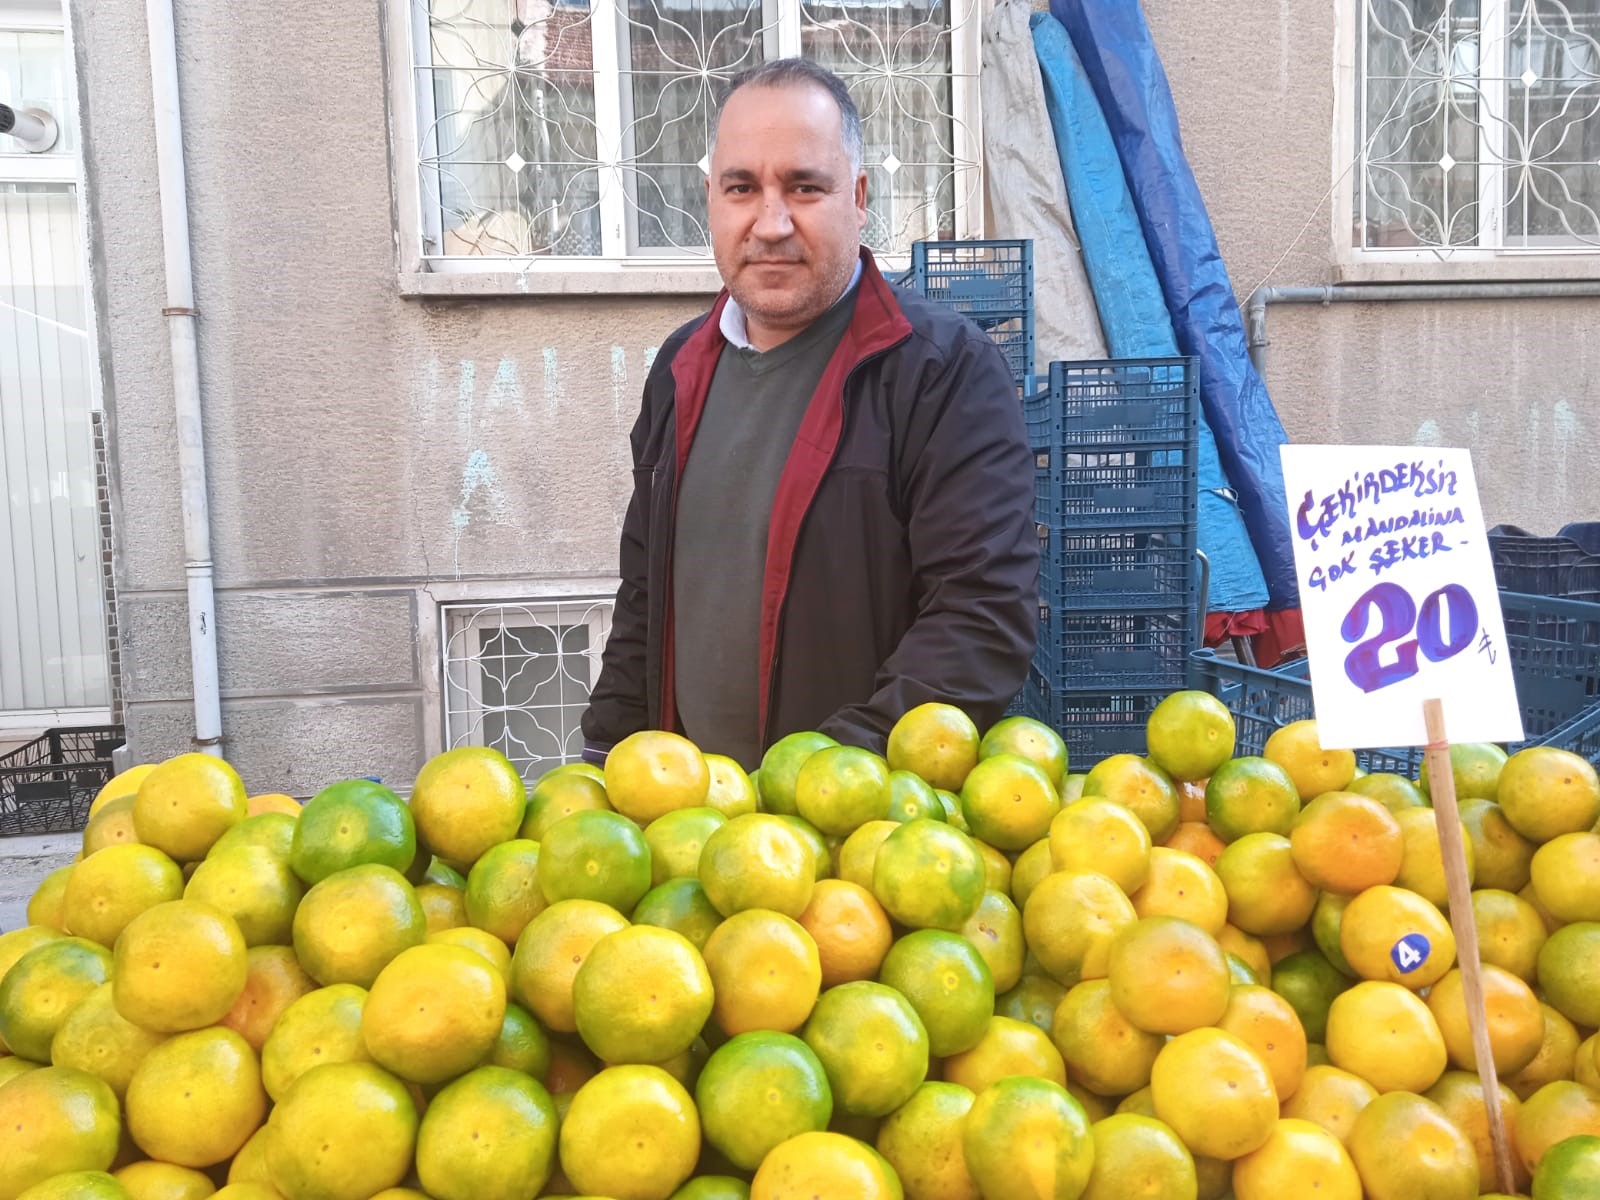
[[1410, 952]]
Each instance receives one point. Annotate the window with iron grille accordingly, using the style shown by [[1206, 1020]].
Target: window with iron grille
[[1477, 127], [557, 134], [517, 676]]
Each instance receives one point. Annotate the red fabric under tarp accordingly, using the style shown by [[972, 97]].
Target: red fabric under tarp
[[1222, 626], [1274, 634], [1284, 637]]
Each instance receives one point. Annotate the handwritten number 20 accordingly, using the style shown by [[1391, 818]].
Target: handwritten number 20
[[1444, 629]]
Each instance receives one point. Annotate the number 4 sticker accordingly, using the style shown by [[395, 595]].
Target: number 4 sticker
[[1410, 952]]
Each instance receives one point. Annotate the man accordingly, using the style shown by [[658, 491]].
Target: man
[[832, 510]]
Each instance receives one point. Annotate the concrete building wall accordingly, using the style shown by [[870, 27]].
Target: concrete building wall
[[371, 454]]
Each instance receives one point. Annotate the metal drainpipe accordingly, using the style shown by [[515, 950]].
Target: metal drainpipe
[[181, 314], [1358, 293]]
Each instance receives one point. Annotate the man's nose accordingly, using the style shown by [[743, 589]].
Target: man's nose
[[774, 223]]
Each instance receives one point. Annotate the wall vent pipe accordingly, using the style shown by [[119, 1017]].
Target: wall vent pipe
[[181, 317]]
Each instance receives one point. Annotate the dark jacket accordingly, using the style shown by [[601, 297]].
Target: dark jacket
[[902, 562]]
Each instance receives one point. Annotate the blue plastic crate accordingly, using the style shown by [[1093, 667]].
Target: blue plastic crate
[[988, 282], [1117, 569], [1094, 724], [1581, 735], [1131, 490], [1120, 404], [1110, 651], [979, 277]]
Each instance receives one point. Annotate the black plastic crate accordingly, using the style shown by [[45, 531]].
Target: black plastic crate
[[47, 785], [1116, 404], [1585, 533], [1583, 582], [1094, 725], [1544, 566], [988, 282], [1119, 490], [1111, 651], [1113, 569], [1555, 655]]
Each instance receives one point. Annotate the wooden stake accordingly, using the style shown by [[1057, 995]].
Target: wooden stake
[[1442, 786]]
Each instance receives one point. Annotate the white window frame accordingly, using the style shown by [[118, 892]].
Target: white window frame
[[16, 164], [33, 15], [1484, 262], [663, 274], [462, 709]]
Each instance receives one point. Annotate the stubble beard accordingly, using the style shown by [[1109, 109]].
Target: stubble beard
[[795, 307]]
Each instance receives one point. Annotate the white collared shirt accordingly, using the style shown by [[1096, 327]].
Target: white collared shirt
[[737, 334]]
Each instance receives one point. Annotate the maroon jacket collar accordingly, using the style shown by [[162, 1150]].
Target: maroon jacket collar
[[876, 324]]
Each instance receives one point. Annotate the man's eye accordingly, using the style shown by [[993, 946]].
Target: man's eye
[[739, 189]]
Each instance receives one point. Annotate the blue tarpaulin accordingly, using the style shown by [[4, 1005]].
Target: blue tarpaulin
[[1133, 310], [1119, 57]]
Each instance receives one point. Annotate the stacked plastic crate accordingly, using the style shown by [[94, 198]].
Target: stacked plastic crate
[[991, 284], [988, 282], [1115, 475], [1565, 566]]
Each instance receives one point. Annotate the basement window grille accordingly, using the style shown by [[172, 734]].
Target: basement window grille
[[517, 676]]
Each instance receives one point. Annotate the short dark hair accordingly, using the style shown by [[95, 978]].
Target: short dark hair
[[786, 72]]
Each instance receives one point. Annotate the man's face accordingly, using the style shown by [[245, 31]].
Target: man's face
[[786, 208]]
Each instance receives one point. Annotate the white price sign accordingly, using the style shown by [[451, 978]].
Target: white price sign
[[1398, 594]]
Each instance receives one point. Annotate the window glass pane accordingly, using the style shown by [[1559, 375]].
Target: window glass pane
[[680, 55], [52, 624], [1479, 124], [1552, 68], [33, 74], [1420, 124], [508, 158], [896, 57], [509, 146]]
